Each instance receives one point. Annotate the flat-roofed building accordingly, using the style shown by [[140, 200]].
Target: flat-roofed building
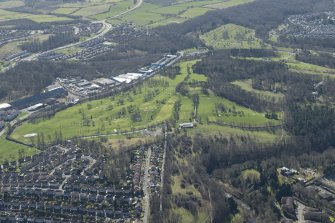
[[104, 82], [53, 87], [186, 125], [5, 106], [122, 80]]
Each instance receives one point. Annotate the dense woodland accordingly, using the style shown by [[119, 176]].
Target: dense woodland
[[222, 69], [321, 59], [223, 159], [29, 78], [325, 43]]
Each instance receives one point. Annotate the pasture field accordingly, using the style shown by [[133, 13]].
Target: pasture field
[[228, 3], [169, 10], [156, 15], [168, 21], [194, 12], [10, 151], [232, 36], [66, 11], [70, 50], [14, 46], [9, 49], [11, 4], [144, 15], [258, 136], [8, 15], [247, 86], [86, 9], [114, 10], [92, 10]]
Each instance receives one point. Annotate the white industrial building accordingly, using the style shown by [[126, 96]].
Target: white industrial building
[[4, 106]]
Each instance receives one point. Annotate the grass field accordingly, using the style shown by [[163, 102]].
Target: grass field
[[68, 10], [10, 151], [144, 15], [92, 10], [258, 136], [114, 10], [268, 95], [11, 4], [9, 48], [156, 15], [232, 36], [194, 12], [228, 3], [8, 15], [14, 47]]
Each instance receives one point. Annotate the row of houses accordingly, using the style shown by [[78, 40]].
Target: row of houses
[[65, 182]]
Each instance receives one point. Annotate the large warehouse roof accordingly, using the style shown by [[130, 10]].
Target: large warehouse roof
[[5, 106]]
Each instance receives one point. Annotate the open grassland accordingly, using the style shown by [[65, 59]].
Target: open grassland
[[247, 86], [194, 12], [9, 48], [228, 3], [225, 131], [8, 15], [156, 15], [118, 141], [10, 151], [114, 10], [232, 36], [11, 4], [186, 110], [66, 11], [92, 10], [14, 46], [87, 8], [144, 15]]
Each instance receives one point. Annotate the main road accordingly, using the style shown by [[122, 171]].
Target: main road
[[106, 27]]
